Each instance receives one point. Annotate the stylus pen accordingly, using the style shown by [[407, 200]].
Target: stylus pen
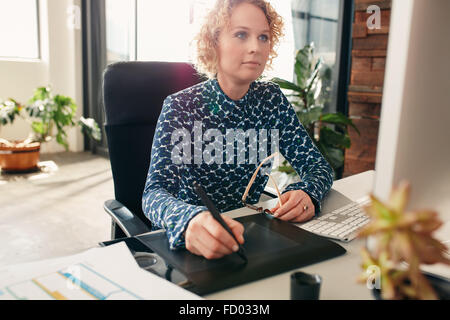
[[216, 215]]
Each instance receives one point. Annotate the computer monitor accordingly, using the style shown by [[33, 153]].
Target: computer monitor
[[414, 136]]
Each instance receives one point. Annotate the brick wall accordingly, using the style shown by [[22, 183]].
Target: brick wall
[[366, 85]]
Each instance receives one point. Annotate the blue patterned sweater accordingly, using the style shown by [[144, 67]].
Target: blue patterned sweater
[[183, 152]]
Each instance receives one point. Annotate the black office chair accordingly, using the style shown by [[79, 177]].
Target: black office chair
[[133, 94]]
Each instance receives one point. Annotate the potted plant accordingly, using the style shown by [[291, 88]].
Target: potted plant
[[401, 241], [309, 96], [48, 116]]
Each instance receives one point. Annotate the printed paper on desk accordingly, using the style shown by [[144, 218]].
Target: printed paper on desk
[[108, 273]]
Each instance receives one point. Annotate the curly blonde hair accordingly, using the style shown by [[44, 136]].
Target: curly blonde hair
[[217, 19]]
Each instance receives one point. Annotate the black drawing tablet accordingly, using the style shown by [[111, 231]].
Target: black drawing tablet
[[272, 246]]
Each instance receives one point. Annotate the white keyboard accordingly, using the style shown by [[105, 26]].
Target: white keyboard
[[341, 224]]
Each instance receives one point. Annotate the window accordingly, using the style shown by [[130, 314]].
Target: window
[[150, 30], [120, 30], [19, 29], [318, 21], [163, 30]]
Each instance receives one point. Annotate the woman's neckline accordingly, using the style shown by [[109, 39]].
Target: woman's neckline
[[238, 101]]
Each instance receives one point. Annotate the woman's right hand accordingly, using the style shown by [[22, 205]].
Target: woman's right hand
[[206, 237]]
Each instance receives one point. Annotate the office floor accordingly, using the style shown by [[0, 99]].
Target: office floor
[[55, 213]]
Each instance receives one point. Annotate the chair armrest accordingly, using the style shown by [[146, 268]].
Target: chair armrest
[[130, 224]]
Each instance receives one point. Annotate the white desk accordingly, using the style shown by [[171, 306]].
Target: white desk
[[338, 274]]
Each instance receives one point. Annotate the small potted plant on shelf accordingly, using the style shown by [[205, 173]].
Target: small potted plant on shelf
[[48, 116], [400, 242]]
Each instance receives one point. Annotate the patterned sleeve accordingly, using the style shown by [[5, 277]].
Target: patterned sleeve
[[158, 200], [316, 175]]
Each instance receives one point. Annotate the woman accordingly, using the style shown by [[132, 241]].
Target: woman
[[234, 46]]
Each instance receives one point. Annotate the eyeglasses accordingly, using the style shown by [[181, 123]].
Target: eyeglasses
[[244, 197]]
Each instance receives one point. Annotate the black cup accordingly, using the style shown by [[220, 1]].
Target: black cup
[[305, 286]]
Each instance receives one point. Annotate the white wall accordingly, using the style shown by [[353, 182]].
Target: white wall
[[60, 66]]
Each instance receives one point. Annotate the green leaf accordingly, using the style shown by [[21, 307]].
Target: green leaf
[[334, 156], [384, 212], [284, 84], [298, 103], [332, 138], [65, 111], [303, 61], [310, 100], [9, 109], [41, 93], [338, 118], [310, 116], [314, 74], [62, 100], [38, 127], [62, 140], [62, 113]]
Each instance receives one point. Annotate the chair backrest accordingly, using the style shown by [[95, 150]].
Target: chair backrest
[[133, 94]]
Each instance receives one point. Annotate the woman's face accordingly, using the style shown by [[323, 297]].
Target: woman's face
[[244, 45]]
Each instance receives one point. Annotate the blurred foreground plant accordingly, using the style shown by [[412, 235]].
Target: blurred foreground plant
[[403, 241]]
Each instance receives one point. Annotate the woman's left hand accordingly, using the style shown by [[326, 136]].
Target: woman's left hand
[[297, 207]]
